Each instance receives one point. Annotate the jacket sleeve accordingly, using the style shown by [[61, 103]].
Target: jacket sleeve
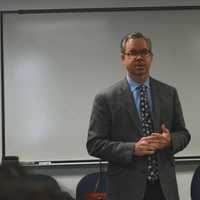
[[180, 136], [99, 143]]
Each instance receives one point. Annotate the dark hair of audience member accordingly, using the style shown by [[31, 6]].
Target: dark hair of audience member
[[17, 184]]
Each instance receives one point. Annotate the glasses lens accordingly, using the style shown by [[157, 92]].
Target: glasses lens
[[143, 52]]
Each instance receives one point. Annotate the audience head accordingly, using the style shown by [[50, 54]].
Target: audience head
[[16, 183]]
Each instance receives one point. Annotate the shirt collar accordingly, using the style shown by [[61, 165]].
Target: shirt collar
[[133, 84]]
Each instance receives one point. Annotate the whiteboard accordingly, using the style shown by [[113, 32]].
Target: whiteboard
[[56, 63]]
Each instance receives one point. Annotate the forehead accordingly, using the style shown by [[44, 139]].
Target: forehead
[[138, 43]]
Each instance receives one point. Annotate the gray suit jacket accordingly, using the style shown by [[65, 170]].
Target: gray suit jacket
[[115, 128]]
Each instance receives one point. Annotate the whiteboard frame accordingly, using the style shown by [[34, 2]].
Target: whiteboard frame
[[73, 10]]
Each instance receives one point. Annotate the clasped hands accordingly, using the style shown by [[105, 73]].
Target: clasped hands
[[150, 144]]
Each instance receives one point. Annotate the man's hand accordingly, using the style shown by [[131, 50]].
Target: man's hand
[[163, 140], [149, 144], [144, 147]]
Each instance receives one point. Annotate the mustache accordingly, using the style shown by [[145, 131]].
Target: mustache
[[139, 63]]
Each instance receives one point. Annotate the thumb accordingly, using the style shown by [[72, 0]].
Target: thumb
[[164, 129]]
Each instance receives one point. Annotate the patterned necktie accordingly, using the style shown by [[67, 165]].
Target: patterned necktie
[[147, 129]]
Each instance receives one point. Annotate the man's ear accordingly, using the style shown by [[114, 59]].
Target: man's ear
[[122, 57], [151, 56]]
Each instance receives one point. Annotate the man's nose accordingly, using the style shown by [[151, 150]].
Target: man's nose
[[139, 57]]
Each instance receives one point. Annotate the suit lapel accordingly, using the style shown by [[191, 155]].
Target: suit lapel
[[130, 105], [156, 106]]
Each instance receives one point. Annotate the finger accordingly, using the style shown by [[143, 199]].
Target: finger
[[144, 146], [153, 136], [153, 142], [162, 140], [155, 145], [164, 129], [157, 136], [150, 147], [141, 150], [148, 140], [144, 142]]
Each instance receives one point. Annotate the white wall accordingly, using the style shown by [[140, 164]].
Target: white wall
[[184, 176]]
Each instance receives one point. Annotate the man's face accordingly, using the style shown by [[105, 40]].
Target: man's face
[[137, 58]]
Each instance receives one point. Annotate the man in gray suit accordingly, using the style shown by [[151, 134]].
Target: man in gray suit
[[139, 150]]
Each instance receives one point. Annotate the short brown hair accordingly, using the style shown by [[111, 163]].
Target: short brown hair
[[135, 35]]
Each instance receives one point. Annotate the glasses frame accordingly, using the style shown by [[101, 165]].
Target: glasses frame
[[142, 53]]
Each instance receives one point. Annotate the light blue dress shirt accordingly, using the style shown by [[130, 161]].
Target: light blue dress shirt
[[134, 87]]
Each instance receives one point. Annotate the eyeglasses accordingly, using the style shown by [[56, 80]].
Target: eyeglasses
[[143, 53]]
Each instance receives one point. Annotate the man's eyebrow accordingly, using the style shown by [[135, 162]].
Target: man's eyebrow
[[138, 49]]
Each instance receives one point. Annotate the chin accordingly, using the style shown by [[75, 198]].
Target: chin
[[141, 72]]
